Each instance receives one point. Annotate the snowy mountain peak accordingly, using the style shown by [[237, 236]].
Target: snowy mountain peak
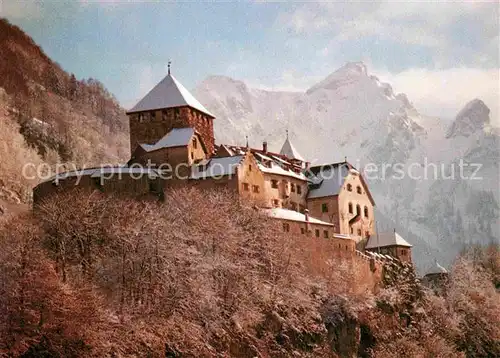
[[474, 116], [349, 73]]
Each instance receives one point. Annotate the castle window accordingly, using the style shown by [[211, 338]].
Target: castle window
[[195, 143], [359, 232], [302, 230], [366, 212], [358, 210], [352, 230], [299, 189], [358, 189], [249, 168], [316, 233], [324, 208], [293, 187], [274, 184], [255, 188], [192, 155], [141, 117], [349, 187], [245, 186], [276, 203], [325, 234], [350, 208], [286, 227]]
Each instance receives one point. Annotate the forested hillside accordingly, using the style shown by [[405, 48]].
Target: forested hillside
[[49, 116]]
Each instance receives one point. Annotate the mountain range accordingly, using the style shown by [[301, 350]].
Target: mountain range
[[48, 116], [433, 180]]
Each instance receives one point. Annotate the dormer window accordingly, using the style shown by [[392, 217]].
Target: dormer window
[[349, 187], [358, 189]]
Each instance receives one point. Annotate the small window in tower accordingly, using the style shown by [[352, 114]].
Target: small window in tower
[[195, 143], [349, 187], [245, 186], [366, 212], [325, 234], [286, 227], [274, 184], [255, 188], [316, 233], [358, 189], [299, 189], [249, 168], [192, 156], [292, 187], [324, 208], [350, 208], [302, 230]]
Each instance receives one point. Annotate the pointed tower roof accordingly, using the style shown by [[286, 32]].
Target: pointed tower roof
[[289, 150], [168, 93]]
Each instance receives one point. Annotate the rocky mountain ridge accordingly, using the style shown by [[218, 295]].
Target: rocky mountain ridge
[[352, 113]]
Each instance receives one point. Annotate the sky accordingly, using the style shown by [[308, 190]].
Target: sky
[[441, 54]]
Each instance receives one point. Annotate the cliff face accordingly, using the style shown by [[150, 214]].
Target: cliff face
[[60, 118]]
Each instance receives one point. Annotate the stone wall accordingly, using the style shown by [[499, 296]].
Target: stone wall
[[149, 127]]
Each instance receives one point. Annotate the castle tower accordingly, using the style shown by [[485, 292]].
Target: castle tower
[[289, 150], [169, 105]]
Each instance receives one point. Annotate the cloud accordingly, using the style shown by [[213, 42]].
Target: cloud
[[454, 31], [443, 93], [20, 9]]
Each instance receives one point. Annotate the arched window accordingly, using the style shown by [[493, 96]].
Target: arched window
[[358, 189], [358, 210], [366, 212], [349, 187], [350, 208]]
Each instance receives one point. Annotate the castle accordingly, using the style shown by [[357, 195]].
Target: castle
[[173, 145]]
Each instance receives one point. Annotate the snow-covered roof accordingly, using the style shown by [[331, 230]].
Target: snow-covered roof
[[175, 138], [386, 239], [289, 150], [285, 214], [327, 180], [216, 167], [272, 163], [168, 93], [105, 170], [278, 170]]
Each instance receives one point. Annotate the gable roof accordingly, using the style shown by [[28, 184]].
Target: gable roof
[[328, 179], [177, 137], [216, 167], [168, 93], [386, 239], [289, 151]]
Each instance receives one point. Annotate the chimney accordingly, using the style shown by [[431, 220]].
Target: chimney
[[264, 147], [306, 214]]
